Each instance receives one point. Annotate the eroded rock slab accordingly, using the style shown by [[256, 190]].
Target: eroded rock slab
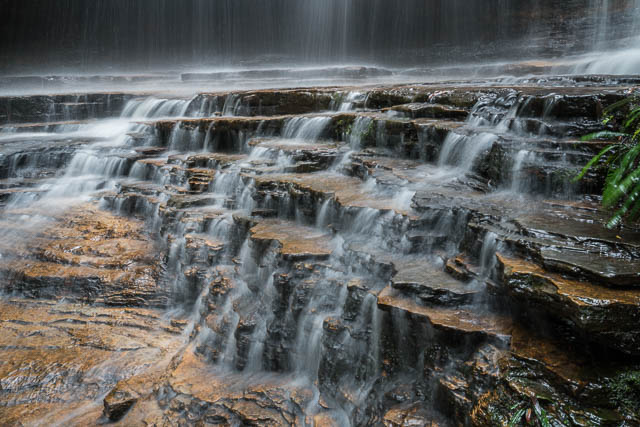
[[605, 315], [59, 358], [296, 242], [86, 254]]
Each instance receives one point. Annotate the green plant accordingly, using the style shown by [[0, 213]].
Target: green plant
[[531, 412], [370, 131], [621, 158], [343, 128], [625, 391]]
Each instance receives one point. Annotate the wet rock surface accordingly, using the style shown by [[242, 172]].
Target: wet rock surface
[[389, 255], [85, 254], [60, 358]]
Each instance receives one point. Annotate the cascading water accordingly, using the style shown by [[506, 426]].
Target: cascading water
[[362, 255], [200, 32]]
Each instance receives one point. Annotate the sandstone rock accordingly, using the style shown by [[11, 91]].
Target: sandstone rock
[[600, 314], [118, 402]]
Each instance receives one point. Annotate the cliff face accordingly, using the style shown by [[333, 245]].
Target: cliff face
[[122, 33]]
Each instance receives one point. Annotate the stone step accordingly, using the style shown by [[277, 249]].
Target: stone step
[[295, 155], [7, 194], [412, 413], [290, 145], [54, 353], [295, 242], [273, 102], [185, 201], [544, 168], [457, 321], [563, 373], [419, 138], [26, 182], [15, 130], [537, 101], [37, 154], [347, 192], [606, 316], [219, 134], [53, 108], [552, 101], [87, 254], [429, 111], [550, 126], [573, 243], [209, 160], [204, 249], [430, 284], [272, 400]]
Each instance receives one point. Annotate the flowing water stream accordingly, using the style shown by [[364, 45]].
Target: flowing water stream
[[196, 246], [299, 295]]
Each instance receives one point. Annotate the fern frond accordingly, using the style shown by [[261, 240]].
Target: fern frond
[[632, 118], [593, 161], [621, 190], [517, 417], [605, 134], [617, 105], [633, 201], [614, 188], [635, 211]]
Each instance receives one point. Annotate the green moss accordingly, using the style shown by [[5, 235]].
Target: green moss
[[625, 391], [370, 131], [343, 128], [337, 98]]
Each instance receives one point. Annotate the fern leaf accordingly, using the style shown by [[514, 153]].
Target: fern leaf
[[592, 162], [631, 202], [516, 418], [635, 211], [617, 105], [605, 134], [632, 118], [614, 190]]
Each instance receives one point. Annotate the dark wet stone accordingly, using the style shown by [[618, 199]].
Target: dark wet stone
[[118, 402], [37, 108], [600, 314], [431, 284], [430, 111]]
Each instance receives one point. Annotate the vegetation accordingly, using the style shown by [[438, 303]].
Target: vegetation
[[529, 413], [625, 388], [621, 160]]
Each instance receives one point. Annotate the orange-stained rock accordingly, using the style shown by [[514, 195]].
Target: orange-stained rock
[[86, 253], [58, 359], [608, 316], [347, 191], [296, 242], [412, 414], [450, 319]]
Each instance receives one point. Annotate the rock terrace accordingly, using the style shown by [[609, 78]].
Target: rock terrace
[[388, 255]]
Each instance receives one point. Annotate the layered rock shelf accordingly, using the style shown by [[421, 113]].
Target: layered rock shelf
[[383, 255]]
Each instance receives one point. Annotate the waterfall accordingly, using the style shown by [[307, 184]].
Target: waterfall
[[613, 51], [249, 33], [392, 251]]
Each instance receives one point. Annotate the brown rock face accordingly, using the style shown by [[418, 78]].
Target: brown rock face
[[58, 358], [118, 402], [86, 254]]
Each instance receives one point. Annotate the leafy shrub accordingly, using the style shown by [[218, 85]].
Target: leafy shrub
[[621, 158]]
